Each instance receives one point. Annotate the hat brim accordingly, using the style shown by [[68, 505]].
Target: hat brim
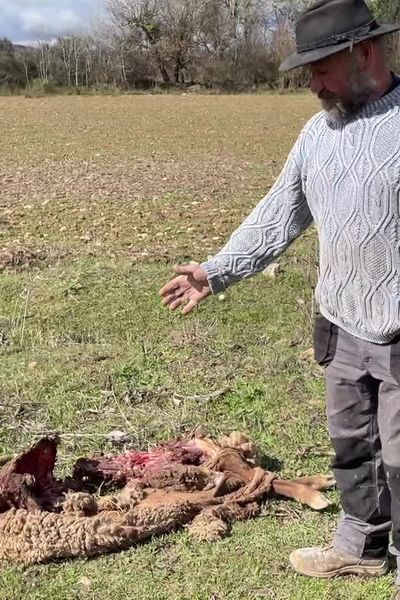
[[301, 59]]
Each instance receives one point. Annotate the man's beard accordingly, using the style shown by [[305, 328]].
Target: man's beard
[[340, 107]]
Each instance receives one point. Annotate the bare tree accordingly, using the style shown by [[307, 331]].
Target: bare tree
[[43, 60], [22, 55], [76, 50], [87, 55], [66, 46], [182, 22], [143, 16], [239, 14]]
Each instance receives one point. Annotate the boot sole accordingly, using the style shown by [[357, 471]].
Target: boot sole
[[359, 570]]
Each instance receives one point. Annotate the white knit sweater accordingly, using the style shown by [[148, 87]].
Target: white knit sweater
[[344, 176]]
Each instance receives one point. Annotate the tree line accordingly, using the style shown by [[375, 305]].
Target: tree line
[[143, 44]]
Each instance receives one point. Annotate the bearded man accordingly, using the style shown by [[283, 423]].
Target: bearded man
[[343, 174]]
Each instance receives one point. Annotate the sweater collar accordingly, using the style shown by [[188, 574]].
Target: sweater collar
[[389, 100]]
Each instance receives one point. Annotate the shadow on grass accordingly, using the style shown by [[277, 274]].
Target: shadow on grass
[[270, 463]]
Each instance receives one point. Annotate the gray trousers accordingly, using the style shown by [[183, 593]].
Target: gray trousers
[[363, 410]]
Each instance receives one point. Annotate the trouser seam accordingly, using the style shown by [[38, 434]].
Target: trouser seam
[[374, 427]]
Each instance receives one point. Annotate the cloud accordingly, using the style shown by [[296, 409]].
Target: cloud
[[46, 19], [43, 24]]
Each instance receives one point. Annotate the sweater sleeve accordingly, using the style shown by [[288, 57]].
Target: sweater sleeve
[[271, 227]]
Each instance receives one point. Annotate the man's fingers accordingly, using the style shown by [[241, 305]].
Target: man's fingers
[[169, 288], [173, 301], [172, 286], [168, 299], [173, 305], [189, 307]]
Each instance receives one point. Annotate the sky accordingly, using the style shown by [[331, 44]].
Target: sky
[[29, 20]]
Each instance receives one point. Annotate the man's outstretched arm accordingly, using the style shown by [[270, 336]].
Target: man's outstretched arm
[[271, 227]]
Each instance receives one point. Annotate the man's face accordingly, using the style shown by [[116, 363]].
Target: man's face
[[342, 83]]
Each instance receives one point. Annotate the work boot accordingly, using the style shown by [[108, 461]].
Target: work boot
[[331, 562]]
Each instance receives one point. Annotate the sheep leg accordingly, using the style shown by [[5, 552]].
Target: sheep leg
[[318, 482], [300, 492]]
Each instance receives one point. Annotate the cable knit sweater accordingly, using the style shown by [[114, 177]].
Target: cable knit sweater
[[344, 176]]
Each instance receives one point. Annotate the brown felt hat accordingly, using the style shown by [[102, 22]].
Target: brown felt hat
[[330, 26]]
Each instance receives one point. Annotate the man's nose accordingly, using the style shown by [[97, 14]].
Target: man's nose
[[316, 85]]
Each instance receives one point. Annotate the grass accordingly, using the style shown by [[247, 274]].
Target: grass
[[100, 195]]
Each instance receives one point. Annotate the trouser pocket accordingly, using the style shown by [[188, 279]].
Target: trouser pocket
[[325, 340], [355, 468]]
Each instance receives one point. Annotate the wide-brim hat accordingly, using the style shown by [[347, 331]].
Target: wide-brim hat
[[330, 26]]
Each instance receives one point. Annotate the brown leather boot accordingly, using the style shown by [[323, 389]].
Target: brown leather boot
[[331, 562]]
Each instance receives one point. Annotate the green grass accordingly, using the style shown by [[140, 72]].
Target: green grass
[[86, 348]]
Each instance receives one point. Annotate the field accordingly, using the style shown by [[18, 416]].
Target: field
[[99, 197]]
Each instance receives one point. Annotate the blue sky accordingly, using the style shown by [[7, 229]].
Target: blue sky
[[27, 20]]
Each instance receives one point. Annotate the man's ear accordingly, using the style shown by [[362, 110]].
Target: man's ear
[[365, 53]]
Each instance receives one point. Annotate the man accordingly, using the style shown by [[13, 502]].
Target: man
[[344, 174]]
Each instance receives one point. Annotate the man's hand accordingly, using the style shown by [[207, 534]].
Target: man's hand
[[187, 290]]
